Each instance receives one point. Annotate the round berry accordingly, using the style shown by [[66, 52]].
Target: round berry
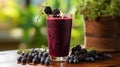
[[76, 53], [48, 10], [26, 55], [70, 60], [42, 60], [96, 57], [19, 58], [23, 60], [75, 61], [83, 50], [67, 59], [76, 57], [45, 54], [22, 53], [87, 59], [78, 47], [29, 59], [47, 60], [92, 59], [56, 11], [36, 61]]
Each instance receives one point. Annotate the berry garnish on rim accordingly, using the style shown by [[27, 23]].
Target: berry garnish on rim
[[55, 13], [48, 10]]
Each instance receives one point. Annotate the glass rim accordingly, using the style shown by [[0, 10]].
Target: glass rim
[[65, 16]]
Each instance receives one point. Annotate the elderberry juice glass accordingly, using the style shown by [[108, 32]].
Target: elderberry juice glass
[[58, 36]]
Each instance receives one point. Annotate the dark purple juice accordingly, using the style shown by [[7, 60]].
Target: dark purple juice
[[59, 34]]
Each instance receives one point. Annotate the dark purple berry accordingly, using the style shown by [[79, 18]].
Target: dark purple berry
[[76, 53], [75, 61], [36, 52], [91, 59], [47, 60], [22, 53], [36, 61], [56, 11], [67, 59], [71, 57], [76, 57], [26, 55], [83, 50], [48, 10], [36, 56], [73, 50], [70, 61], [29, 59], [23, 60], [45, 54], [39, 56], [96, 57], [100, 58], [19, 58], [78, 47], [42, 60], [86, 55], [87, 59]]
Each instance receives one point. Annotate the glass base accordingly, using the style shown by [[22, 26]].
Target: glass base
[[61, 59]]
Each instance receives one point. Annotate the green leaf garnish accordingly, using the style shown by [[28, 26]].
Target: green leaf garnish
[[41, 10], [90, 49]]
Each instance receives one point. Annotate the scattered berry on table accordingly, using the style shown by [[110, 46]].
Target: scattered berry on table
[[47, 60], [70, 60], [79, 54], [19, 58], [35, 57], [23, 60], [76, 56], [42, 60], [75, 61], [45, 54], [36, 61]]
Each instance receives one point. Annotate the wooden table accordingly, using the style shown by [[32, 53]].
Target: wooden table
[[8, 59]]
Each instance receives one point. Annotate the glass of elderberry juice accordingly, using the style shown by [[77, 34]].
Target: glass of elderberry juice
[[58, 36]]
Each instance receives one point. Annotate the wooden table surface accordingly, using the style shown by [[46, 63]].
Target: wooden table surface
[[9, 59]]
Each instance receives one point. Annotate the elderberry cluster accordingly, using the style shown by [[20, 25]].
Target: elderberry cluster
[[35, 57], [79, 54]]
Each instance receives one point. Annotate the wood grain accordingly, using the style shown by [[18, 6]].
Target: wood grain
[[103, 34]]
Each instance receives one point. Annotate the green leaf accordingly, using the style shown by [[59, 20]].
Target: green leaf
[[90, 49]]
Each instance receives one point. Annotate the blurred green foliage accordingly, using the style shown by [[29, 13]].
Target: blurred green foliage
[[25, 18]]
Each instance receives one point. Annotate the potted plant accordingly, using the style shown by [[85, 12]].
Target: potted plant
[[102, 24]]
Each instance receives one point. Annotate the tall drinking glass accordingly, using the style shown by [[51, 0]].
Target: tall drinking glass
[[58, 35]]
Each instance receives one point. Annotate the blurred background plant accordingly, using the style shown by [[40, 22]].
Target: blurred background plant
[[20, 16]]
